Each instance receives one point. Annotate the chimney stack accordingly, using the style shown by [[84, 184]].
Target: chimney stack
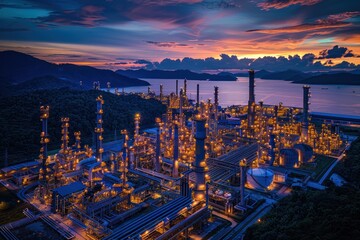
[[199, 164], [175, 170], [305, 121], [251, 102]]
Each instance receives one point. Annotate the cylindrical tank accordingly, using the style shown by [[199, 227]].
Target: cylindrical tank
[[259, 178], [289, 157], [305, 152]]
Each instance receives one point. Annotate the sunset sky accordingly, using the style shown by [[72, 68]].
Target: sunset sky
[[115, 33]]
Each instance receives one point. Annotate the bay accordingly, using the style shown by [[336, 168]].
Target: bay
[[339, 99]]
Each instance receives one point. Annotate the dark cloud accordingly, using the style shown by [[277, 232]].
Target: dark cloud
[[89, 16], [331, 22], [167, 44], [305, 63], [13, 29], [142, 61], [336, 52], [165, 2], [93, 13], [278, 4], [222, 4], [65, 55], [349, 54]]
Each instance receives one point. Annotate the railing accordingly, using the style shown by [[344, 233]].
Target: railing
[[4, 230], [56, 226]]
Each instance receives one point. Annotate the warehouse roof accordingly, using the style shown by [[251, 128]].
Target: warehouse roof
[[69, 189]]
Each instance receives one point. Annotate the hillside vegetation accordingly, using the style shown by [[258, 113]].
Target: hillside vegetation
[[20, 125], [17, 67]]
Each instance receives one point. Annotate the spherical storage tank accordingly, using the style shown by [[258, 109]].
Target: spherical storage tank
[[259, 178], [305, 152], [289, 157]]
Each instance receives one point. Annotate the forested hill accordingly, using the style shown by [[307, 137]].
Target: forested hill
[[20, 125], [17, 67]]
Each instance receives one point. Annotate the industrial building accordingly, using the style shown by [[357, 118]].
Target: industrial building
[[164, 182]]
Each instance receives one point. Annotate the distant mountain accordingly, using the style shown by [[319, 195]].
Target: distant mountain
[[258, 74], [18, 67], [177, 74], [333, 79]]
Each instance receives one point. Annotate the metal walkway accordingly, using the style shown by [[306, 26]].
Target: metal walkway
[[133, 228]]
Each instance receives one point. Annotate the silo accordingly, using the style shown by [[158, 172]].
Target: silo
[[305, 152], [259, 178], [289, 157]]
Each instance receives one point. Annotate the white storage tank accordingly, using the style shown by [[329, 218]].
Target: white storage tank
[[259, 178]]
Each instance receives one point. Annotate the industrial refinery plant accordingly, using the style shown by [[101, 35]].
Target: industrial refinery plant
[[203, 172]]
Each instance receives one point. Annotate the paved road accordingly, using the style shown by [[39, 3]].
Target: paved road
[[233, 223], [264, 211], [322, 179]]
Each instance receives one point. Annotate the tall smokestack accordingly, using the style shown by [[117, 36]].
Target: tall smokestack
[[197, 95], [305, 121], [175, 172], [242, 181], [158, 145], [44, 140], [199, 164], [251, 101], [161, 92], [185, 86], [177, 87], [272, 149], [216, 104], [99, 129], [181, 102]]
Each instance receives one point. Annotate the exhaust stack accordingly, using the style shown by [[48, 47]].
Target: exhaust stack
[[305, 121], [251, 102], [199, 164], [175, 170]]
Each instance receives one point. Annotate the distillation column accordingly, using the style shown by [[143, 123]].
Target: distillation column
[[251, 102], [272, 149], [65, 135], [216, 104], [161, 92], [199, 165], [125, 159], [99, 129], [77, 136], [177, 88], [185, 86], [242, 181], [181, 102], [305, 121], [175, 171], [44, 140], [158, 146], [136, 139], [197, 96]]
